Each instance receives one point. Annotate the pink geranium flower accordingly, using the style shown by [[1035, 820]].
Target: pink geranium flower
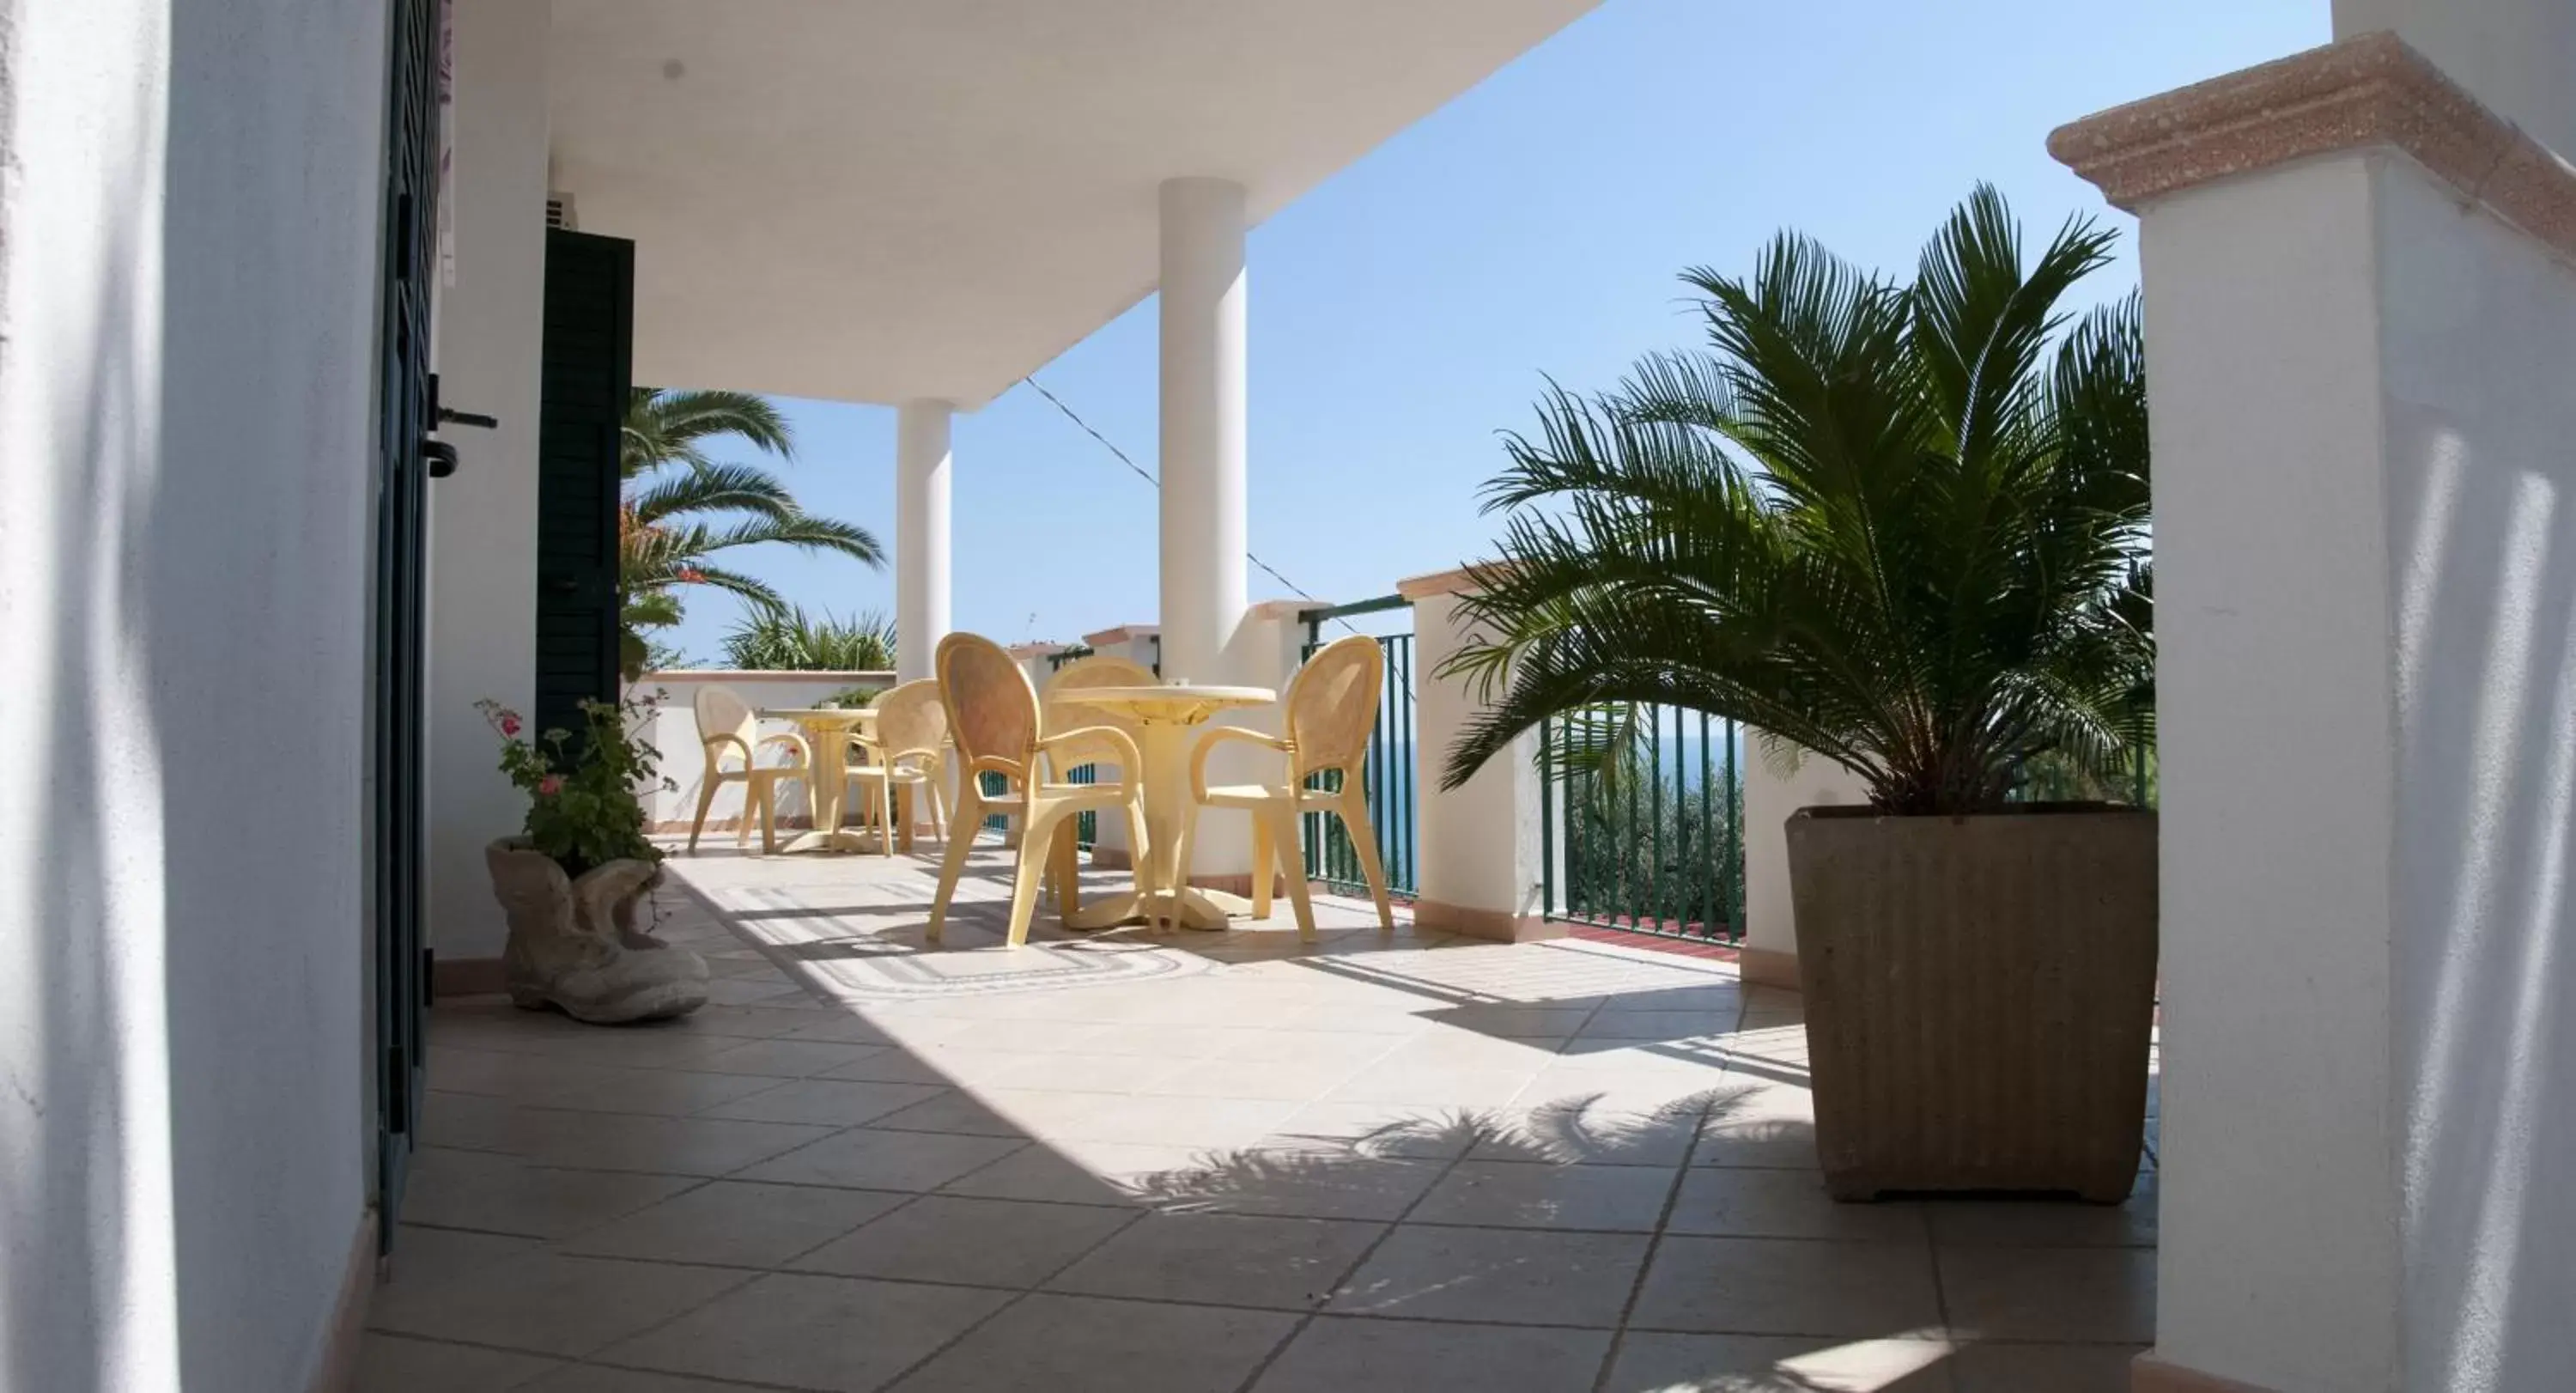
[[550, 785], [509, 723]]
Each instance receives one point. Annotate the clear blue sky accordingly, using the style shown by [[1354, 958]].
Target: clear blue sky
[[1403, 311]]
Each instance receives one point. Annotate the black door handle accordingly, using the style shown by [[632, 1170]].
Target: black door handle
[[468, 418]]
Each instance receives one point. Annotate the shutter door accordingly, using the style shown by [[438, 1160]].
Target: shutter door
[[589, 349]]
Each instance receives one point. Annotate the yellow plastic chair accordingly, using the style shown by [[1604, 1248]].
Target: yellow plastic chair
[[726, 722], [1331, 709], [1055, 713], [905, 751], [993, 715]]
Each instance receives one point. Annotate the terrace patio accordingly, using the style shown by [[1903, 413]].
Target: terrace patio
[[1189, 1162]]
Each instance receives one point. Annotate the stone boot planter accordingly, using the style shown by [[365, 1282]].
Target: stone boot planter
[[1979, 992], [574, 945]]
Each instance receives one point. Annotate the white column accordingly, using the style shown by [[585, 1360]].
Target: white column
[[920, 535], [1203, 588]]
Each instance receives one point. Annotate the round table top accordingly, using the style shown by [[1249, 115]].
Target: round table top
[[820, 715], [1169, 701]]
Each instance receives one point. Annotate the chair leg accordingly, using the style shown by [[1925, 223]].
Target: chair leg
[[1139, 842], [1032, 864], [1262, 873], [952, 864], [706, 800], [752, 788], [1064, 867], [885, 814], [1364, 841], [1283, 835], [769, 819]]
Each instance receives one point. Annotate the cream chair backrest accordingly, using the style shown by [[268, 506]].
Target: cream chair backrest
[[1063, 715], [1332, 703], [992, 709], [910, 719], [720, 713]]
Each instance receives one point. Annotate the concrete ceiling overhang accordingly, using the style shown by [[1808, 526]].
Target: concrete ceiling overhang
[[882, 200]]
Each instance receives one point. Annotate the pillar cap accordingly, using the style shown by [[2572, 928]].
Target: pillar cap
[[1458, 580], [2371, 90], [1122, 634]]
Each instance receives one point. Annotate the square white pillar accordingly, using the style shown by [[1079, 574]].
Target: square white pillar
[[1480, 847], [2359, 350]]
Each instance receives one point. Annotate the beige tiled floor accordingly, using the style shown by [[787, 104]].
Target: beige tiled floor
[[1382, 1163]]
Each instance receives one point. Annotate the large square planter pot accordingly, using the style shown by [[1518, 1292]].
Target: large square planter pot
[[1979, 993]]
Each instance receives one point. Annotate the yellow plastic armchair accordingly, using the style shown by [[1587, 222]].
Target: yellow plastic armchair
[[726, 723], [1056, 712], [1331, 711], [993, 715], [905, 751]]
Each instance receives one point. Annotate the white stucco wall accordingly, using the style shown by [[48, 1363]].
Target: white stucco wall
[[2518, 56], [188, 251], [673, 730], [2478, 363], [1769, 799], [483, 529]]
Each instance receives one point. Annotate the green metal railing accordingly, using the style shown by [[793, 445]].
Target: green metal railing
[[1650, 839], [1387, 773]]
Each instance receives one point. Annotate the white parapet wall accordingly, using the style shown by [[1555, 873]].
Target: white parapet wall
[[672, 729], [1770, 951]]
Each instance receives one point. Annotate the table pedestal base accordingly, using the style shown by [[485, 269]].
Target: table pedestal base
[[1193, 908]]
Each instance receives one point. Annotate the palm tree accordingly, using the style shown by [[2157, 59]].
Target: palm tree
[[1902, 526], [791, 640], [672, 523]]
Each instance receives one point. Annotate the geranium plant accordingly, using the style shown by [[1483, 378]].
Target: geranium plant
[[582, 806]]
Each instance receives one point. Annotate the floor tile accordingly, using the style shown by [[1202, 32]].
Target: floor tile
[[1435, 1086], [874, 1160], [601, 1378], [949, 1110], [1095, 1173], [2048, 1223], [660, 1092], [1398, 1130], [1316, 1182], [1338, 1355], [839, 1333], [1984, 1368], [890, 1064], [398, 1364], [1585, 1129], [1785, 1204], [502, 1194], [785, 1057], [737, 1224], [549, 1303], [666, 1145], [1070, 1344], [1610, 1023], [425, 1255], [2101, 1295], [1227, 1259], [1529, 1277], [1767, 1286], [1655, 1362], [824, 1102], [1520, 1194], [973, 1242]]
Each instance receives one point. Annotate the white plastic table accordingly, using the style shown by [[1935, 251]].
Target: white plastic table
[[1166, 718]]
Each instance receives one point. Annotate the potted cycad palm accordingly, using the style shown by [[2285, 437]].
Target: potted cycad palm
[[1902, 527]]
